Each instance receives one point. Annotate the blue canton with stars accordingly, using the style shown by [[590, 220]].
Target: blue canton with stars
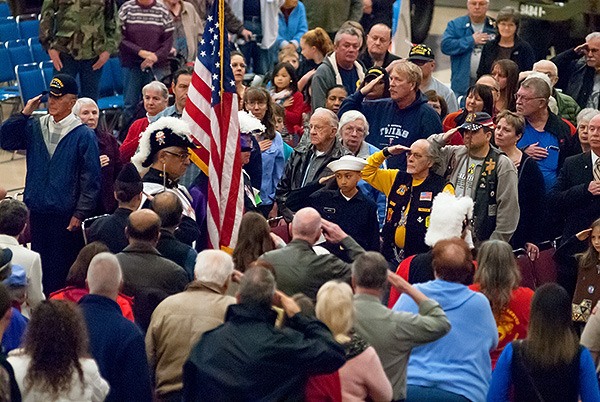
[[209, 55]]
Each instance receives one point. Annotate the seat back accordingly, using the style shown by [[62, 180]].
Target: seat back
[[38, 53], [106, 86], [47, 71], [526, 268], [4, 10], [7, 71], [8, 29], [545, 268], [87, 224], [31, 81], [29, 26], [18, 51], [117, 74]]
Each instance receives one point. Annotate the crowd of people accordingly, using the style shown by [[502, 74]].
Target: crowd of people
[[374, 259]]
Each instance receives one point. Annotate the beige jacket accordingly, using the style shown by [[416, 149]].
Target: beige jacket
[[176, 326]]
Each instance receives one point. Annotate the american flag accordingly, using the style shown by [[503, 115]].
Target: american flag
[[211, 110]]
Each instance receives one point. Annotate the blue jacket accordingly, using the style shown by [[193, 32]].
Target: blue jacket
[[458, 43], [390, 125], [273, 164], [66, 184], [460, 361], [118, 347], [295, 27]]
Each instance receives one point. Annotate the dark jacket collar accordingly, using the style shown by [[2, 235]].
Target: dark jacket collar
[[242, 313], [156, 176], [100, 301]]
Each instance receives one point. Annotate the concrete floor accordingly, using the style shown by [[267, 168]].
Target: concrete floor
[[12, 166]]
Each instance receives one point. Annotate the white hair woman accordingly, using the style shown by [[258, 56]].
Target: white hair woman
[[87, 110], [362, 376]]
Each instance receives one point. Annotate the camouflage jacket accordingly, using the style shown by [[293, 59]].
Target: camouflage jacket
[[81, 28]]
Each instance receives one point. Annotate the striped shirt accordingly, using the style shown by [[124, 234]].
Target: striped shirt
[[145, 28], [53, 132]]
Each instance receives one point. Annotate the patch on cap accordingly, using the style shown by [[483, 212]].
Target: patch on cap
[[421, 52]]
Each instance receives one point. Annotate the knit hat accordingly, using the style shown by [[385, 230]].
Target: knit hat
[[163, 133]]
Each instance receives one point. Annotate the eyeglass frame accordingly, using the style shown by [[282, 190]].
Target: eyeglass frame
[[182, 156]]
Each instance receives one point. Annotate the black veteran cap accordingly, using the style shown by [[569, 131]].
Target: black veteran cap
[[62, 84], [475, 121], [421, 52]]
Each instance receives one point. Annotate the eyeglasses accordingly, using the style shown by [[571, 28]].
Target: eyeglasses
[[526, 99], [182, 156], [358, 130]]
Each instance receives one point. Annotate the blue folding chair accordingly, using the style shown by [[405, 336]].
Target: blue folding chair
[[38, 53], [31, 81], [29, 26], [4, 10], [47, 71], [117, 73], [110, 97], [8, 29], [18, 51], [9, 93]]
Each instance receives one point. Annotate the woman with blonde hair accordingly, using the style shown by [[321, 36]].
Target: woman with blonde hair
[[498, 278], [361, 377]]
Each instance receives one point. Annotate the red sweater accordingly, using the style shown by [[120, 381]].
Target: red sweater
[[132, 140]]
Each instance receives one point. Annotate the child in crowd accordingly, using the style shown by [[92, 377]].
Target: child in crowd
[[284, 91], [279, 116], [288, 55]]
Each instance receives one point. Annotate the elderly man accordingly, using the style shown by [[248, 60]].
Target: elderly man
[[164, 151], [180, 320], [546, 137], [379, 40], [480, 171], [578, 71], [116, 343], [463, 41], [79, 37], [576, 195], [13, 220], [401, 119], [309, 163], [423, 56], [466, 364], [298, 268], [410, 194], [392, 334], [567, 106], [340, 67], [147, 275], [155, 96], [111, 229], [63, 176], [247, 358]]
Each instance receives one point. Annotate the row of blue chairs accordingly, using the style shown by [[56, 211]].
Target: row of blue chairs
[[34, 78], [22, 27]]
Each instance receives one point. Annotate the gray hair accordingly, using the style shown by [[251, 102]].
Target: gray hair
[[348, 30], [539, 83], [257, 287], [158, 87], [585, 115], [333, 119], [104, 275], [593, 35], [349, 117], [213, 266], [81, 102], [369, 270]]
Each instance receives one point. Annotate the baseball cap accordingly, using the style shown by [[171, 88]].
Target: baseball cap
[[475, 121], [421, 52], [62, 84], [373, 73]]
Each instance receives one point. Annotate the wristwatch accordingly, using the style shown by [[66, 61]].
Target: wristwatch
[[386, 153]]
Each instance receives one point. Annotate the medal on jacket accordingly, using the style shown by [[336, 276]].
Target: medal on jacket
[[404, 217]]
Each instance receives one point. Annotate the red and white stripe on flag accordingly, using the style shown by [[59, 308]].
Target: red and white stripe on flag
[[211, 110]]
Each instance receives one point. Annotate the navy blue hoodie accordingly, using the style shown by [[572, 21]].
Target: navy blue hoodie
[[390, 125]]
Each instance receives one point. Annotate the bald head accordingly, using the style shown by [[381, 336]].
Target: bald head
[[104, 276], [168, 207], [307, 225], [452, 261], [143, 225], [547, 67]]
